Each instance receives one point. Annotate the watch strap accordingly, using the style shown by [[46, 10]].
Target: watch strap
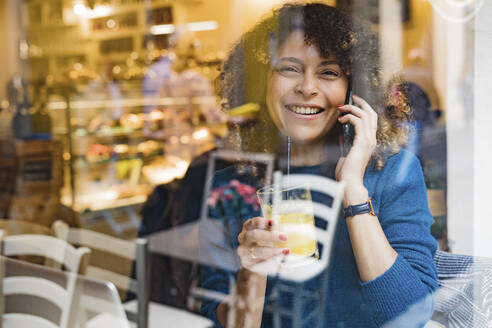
[[363, 208]]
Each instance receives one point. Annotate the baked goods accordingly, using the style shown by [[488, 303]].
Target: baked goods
[[100, 123], [121, 149], [98, 153], [155, 120], [149, 147], [132, 121]]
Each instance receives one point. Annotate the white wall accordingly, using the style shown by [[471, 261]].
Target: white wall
[[463, 73], [460, 144], [483, 132]]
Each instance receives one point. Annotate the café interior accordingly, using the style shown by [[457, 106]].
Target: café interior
[[113, 126]]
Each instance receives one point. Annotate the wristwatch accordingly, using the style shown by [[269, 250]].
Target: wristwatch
[[353, 210]]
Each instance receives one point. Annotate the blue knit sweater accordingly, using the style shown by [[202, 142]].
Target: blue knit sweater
[[400, 202]]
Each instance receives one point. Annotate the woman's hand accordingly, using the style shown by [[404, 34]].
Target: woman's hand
[[365, 121], [351, 169], [256, 242]]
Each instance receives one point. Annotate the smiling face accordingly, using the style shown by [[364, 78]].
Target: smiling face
[[304, 90]]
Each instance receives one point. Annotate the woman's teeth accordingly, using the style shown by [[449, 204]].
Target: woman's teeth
[[305, 110]]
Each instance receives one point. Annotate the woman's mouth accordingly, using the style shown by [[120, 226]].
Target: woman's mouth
[[304, 110]]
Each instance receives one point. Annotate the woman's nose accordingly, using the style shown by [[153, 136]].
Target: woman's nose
[[307, 86]]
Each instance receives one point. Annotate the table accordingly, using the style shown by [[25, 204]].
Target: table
[[204, 242]]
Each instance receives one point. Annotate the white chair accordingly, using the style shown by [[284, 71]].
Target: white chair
[[144, 313], [19, 227], [293, 278], [43, 289], [49, 247], [328, 214]]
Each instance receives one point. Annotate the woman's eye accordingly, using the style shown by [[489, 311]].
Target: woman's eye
[[287, 69], [330, 73]]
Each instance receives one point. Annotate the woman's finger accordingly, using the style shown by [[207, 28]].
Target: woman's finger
[[353, 110], [258, 223], [261, 253], [253, 255], [364, 105], [350, 118], [367, 108], [259, 236]]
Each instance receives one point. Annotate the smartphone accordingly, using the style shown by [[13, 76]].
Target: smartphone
[[348, 131]]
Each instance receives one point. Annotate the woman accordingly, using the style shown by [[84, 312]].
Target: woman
[[297, 64]]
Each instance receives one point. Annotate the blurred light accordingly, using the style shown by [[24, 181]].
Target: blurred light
[[116, 69], [79, 9], [57, 105], [111, 23], [5, 104], [200, 134], [100, 11], [194, 27], [185, 139], [77, 66], [24, 49], [162, 29], [202, 26], [66, 156]]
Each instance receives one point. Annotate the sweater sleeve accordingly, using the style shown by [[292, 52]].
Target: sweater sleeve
[[214, 280], [405, 218]]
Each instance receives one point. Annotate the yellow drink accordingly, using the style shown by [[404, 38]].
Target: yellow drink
[[299, 227], [292, 212]]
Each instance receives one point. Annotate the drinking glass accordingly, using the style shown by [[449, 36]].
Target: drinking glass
[[291, 210]]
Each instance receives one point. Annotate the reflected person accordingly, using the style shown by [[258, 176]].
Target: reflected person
[[297, 65]]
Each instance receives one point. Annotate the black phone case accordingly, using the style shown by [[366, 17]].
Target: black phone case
[[348, 131]]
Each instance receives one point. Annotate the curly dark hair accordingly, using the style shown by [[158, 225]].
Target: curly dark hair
[[245, 73]]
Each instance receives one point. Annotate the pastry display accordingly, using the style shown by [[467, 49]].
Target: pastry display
[[98, 153], [149, 147], [132, 121], [100, 123], [155, 120], [121, 149], [165, 169]]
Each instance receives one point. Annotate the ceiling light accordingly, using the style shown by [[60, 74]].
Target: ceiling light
[[202, 26], [162, 29], [79, 9]]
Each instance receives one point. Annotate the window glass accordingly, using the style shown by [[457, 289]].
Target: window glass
[[290, 164]]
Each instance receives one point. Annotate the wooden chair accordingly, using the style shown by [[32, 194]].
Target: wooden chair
[[141, 311], [74, 260]]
